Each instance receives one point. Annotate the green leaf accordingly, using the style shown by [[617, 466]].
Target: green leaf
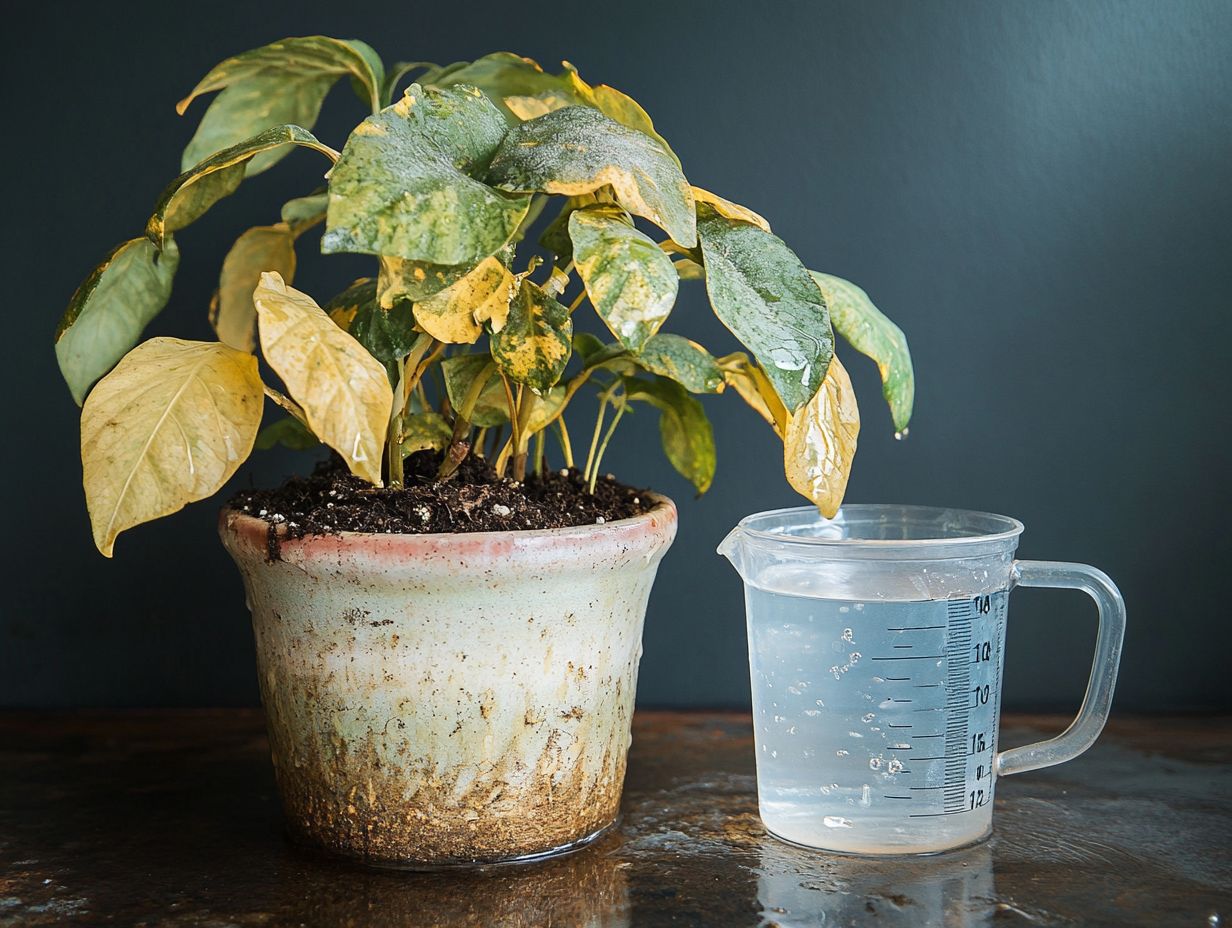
[[232, 313], [406, 185], [305, 209], [111, 308], [688, 440], [534, 345], [288, 432], [187, 198], [765, 296], [283, 82], [577, 150], [460, 372], [872, 334], [586, 346], [682, 360], [388, 335], [425, 430], [630, 280], [167, 427]]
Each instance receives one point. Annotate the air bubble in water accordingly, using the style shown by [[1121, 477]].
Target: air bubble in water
[[820, 703], [836, 821], [854, 657], [855, 734], [866, 795], [844, 608], [793, 690], [812, 713], [868, 717], [874, 763], [779, 718], [894, 766], [847, 635], [839, 753]]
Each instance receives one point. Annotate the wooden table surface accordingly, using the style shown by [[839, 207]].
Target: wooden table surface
[[169, 819]]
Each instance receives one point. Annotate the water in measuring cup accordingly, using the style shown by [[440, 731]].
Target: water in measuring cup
[[875, 719]]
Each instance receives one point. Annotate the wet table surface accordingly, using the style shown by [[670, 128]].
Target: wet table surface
[[170, 819]]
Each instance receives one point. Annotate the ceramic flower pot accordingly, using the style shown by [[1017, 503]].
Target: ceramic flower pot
[[446, 699]]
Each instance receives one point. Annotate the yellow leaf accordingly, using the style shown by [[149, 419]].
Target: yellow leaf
[[754, 387], [729, 209], [167, 427], [264, 248], [343, 390], [820, 442], [455, 314]]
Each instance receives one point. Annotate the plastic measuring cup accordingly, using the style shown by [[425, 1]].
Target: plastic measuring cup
[[876, 643]]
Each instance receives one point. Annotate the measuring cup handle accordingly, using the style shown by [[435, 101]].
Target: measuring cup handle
[[1085, 728]]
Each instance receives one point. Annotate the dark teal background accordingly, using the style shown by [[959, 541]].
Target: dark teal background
[[1039, 193]]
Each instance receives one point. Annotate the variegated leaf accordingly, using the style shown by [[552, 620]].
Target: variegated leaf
[[455, 315], [534, 345], [682, 360], [688, 439], [263, 248], [820, 442]]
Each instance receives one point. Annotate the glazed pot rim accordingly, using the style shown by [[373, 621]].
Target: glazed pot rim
[[654, 528]]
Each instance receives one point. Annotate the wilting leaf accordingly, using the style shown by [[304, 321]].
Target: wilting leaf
[[682, 360], [460, 372], [264, 248], [629, 279], [765, 296], [305, 209], [187, 198], [534, 345], [111, 308], [288, 432], [344, 390], [425, 430], [688, 440], [729, 209], [871, 333], [280, 83], [167, 427], [455, 314], [577, 150], [406, 184], [820, 442], [751, 383]]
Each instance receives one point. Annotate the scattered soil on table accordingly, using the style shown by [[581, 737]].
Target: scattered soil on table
[[474, 499]]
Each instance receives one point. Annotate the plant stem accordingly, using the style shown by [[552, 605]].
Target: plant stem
[[577, 302], [456, 453], [526, 407], [395, 427], [565, 447], [479, 437], [515, 439], [287, 403], [594, 438], [594, 474], [538, 455]]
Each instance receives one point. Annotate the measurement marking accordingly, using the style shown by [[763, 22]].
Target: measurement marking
[[912, 657], [942, 757], [926, 686], [897, 679], [892, 725], [925, 787], [922, 737], [892, 699], [912, 628], [896, 797], [933, 709], [934, 814], [906, 647]]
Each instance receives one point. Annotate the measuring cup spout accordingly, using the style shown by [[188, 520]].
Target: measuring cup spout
[[732, 547]]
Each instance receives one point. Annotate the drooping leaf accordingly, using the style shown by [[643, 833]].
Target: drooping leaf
[[343, 390], [406, 185], [455, 315], [729, 209], [820, 442], [281, 83], [578, 149], [167, 427], [682, 360], [305, 209], [752, 385], [425, 430], [111, 308], [629, 279], [288, 432], [190, 195], [460, 372], [765, 296], [871, 333], [688, 439], [534, 345], [263, 248]]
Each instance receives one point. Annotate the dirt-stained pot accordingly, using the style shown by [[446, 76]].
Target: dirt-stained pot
[[453, 698]]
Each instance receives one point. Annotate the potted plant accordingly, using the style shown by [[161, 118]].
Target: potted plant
[[446, 679]]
